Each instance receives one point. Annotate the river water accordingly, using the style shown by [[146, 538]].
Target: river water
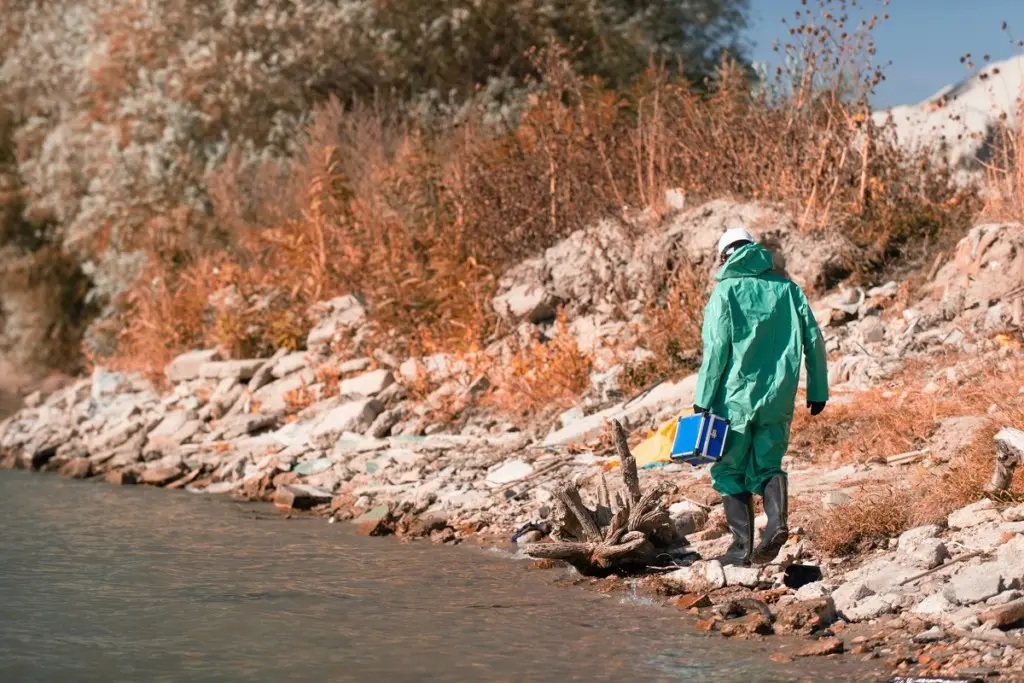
[[133, 584]]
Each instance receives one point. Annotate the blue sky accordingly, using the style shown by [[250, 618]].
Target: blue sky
[[923, 38]]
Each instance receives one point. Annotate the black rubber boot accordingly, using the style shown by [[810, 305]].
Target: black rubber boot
[[776, 507], [739, 515]]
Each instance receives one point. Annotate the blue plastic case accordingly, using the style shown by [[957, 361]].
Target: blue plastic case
[[700, 439]]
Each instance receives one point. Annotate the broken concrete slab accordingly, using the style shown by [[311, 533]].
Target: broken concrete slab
[[510, 471]]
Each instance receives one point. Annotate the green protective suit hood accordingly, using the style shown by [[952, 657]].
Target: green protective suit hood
[[758, 328]]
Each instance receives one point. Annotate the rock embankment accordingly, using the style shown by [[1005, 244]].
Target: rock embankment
[[353, 436]]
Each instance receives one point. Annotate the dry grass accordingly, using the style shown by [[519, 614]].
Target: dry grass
[[876, 425], [900, 417], [672, 331], [1005, 173], [928, 498]]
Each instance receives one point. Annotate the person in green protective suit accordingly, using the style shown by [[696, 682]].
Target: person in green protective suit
[[757, 329]]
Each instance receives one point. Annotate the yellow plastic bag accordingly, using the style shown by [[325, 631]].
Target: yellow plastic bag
[[658, 446]]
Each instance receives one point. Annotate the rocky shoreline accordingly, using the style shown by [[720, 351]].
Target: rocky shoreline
[[355, 436]]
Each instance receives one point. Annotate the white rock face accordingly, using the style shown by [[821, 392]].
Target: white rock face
[[1010, 561], [934, 605], [920, 547], [748, 577], [961, 114], [529, 301], [847, 595], [870, 608], [230, 369]]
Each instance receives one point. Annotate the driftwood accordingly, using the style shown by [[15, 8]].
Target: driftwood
[[1009, 454], [629, 532]]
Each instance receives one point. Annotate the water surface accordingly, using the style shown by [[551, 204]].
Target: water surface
[[112, 584]]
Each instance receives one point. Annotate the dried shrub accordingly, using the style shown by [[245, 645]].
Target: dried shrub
[[671, 330], [867, 518], [883, 428], [1004, 173], [542, 377], [887, 421]]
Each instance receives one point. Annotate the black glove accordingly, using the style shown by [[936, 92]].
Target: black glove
[[816, 407], [697, 410]]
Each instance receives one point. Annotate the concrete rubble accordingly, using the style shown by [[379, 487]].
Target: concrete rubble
[[364, 449]]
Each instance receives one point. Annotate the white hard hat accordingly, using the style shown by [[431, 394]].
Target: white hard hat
[[733, 235]]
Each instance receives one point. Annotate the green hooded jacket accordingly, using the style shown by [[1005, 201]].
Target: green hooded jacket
[[757, 328]]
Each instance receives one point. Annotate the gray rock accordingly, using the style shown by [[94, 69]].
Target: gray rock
[[265, 374], [529, 301], [240, 425], [811, 591], [973, 515], [273, 397], [935, 604], [849, 594], [354, 365], [116, 437], [368, 384], [955, 434], [834, 499], [293, 362], [976, 584], [510, 471], [334, 316], [1004, 597], [355, 417], [932, 635], [884, 575], [384, 423], [699, 577], [1014, 514], [748, 577], [1010, 562], [920, 547], [869, 608], [235, 369]]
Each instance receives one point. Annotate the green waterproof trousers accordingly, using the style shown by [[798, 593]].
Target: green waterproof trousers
[[757, 329]]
